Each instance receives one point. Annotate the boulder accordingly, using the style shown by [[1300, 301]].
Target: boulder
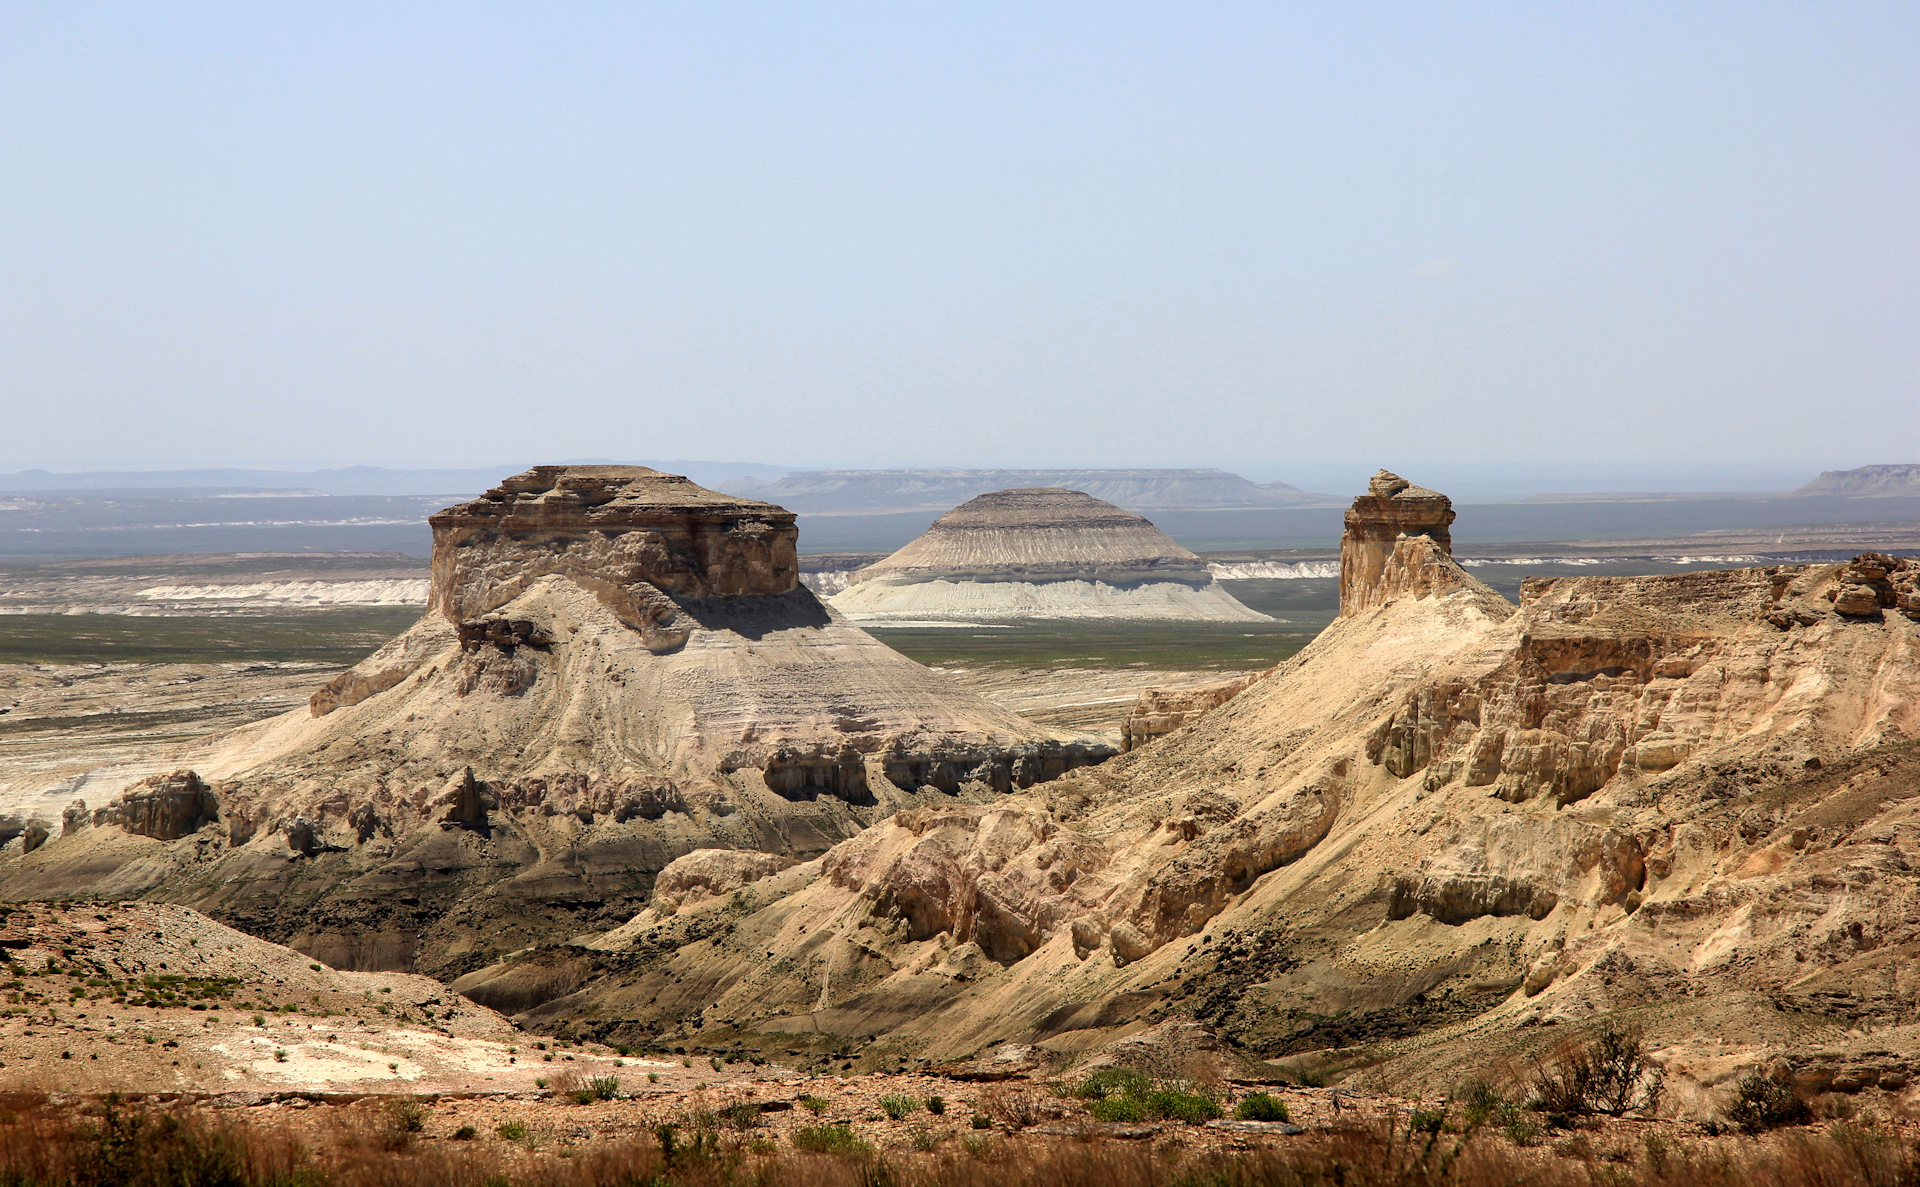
[[164, 807]]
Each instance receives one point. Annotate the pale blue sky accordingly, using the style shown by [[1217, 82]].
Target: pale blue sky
[[1028, 234]]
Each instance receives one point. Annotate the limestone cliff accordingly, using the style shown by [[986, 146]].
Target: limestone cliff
[[1040, 553], [618, 668]]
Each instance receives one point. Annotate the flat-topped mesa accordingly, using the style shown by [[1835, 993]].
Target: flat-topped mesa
[[1040, 552], [615, 530], [1397, 534]]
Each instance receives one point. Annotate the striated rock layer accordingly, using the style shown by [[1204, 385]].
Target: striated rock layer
[[618, 668], [1040, 553], [1446, 835]]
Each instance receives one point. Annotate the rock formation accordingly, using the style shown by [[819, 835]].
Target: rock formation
[[1396, 540], [1449, 832], [1039, 553], [618, 668], [1159, 711]]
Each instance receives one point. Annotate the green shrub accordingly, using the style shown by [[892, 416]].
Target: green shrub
[[1113, 1081], [896, 1106], [1173, 1104], [831, 1139], [604, 1087], [1119, 1108], [1261, 1106], [936, 1105], [741, 1116], [982, 1122], [813, 1104], [1427, 1120], [1761, 1103]]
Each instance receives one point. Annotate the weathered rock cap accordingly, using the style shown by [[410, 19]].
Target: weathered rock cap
[[608, 526]]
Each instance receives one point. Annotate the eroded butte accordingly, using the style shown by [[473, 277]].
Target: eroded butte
[[618, 667]]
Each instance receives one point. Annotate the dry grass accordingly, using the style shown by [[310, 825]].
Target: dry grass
[[111, 1145]]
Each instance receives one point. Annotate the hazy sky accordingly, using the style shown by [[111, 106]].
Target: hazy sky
[[968, 234]]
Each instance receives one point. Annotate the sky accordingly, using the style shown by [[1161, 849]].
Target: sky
[[1263, 236]]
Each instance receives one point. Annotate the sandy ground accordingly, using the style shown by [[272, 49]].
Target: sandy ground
[[84, 731]]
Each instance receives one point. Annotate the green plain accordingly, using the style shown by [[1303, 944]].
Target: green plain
[[314, 636]]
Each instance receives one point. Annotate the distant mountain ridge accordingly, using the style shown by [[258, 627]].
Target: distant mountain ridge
[[350, 480], [1866, 482], [875, 492]]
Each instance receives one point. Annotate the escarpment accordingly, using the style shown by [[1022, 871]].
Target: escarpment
[[1040, 553], [1446, 827], [618, 668]]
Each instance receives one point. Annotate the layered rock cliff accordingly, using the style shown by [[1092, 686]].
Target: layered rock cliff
[[1040, 553], [618, 668], [1444, 835]]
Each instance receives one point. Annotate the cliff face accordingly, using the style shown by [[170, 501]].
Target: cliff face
[[1039, 553], [618, 668], [609, 528], [1446, 828]]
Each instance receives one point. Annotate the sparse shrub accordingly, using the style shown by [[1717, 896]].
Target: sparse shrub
[[541, 1082], [1427, 1121], [741, 1116], [715, 1061], [896, 1106], [1611, 1075], [982, 1122], [813, 1104], [831, 1139], [1761, 1103], [653, 1077], [936, 1105], [605, 1087], [279, 1054], [513, 1131], [1261, 1106]]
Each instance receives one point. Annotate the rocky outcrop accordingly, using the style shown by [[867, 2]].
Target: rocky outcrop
[[164, 807], [1873, 582], [1000, 880], [1039, 553], [711, 873], [1160, 711], [1398, 543]]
